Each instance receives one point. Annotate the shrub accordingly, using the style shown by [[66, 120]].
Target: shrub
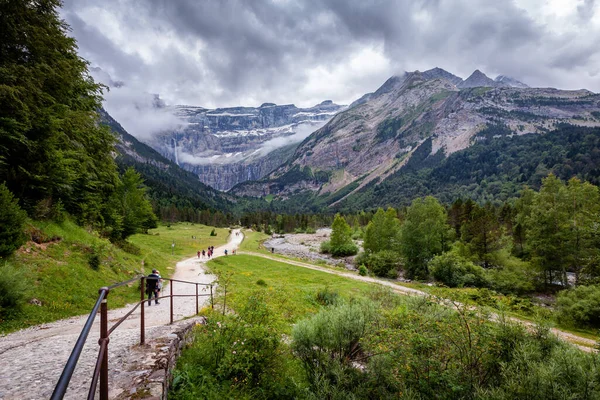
[[94, 261], [239, 351], [514, 276], [12, 219], [213, 233], [261, 282], [332, 335], [362, 270], [455, 271], [385, 263], [327, 297], [580, 306], [344, 250], [13, 288], [326, 247]]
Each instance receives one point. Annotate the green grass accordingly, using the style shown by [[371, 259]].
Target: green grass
[[292, 289], [253, 241], [59, 275]]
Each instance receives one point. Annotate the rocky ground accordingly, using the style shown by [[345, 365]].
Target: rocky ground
[[306, 247]]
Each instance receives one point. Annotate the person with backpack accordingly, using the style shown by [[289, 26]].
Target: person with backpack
[[152, 281]]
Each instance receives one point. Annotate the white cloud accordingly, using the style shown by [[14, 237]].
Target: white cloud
[[234, 52]]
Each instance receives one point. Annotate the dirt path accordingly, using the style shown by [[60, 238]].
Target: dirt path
[[31, 360], [584, 344]]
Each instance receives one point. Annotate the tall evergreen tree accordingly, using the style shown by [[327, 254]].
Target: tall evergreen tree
[[12, 218], [548, 231], [51, 146]]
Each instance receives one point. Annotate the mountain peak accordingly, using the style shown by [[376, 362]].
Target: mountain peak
[[439, 73], [478, 79]]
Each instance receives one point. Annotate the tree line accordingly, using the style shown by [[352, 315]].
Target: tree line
[[546, 240], [55, 158]]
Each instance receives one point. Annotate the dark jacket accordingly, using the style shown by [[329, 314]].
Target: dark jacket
[[151, 282]]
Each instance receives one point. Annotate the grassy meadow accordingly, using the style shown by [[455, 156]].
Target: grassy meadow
[[66, 270]]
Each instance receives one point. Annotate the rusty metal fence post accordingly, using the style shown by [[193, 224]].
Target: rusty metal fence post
[[142, 318], [212, 303], [197, 299], [171, 288], [104, 338]]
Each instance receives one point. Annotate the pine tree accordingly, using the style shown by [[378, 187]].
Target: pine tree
[[12, 218], [51, 146]]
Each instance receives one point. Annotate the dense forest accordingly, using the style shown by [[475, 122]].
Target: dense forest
[[55, 159], [495, 168]]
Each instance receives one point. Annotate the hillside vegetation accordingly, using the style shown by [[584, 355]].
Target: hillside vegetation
[[58, 273], [298, 333]]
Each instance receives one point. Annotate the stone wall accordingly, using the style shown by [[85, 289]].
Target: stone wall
[[146, 371]]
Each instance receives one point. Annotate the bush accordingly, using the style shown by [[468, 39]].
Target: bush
[[332, 336], [514, 276], [13, 288], [232, 351], [12, 219], [362, 270], [327, 297], [455, 271], [344, 250], [580, 306], [213, 233], [326, 247], [385, 263], [94, 261], [261, 282]]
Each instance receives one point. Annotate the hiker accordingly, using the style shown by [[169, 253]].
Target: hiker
[[151, 285], [203, 253], [225, 251], [198, 253]]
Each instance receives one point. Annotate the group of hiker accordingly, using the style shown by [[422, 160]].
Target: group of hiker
[[209, 252], [154, 280]]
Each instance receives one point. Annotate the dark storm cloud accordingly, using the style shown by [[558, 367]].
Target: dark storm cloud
[[232, 52]]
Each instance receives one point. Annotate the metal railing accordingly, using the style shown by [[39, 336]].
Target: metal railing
[[101, 370]]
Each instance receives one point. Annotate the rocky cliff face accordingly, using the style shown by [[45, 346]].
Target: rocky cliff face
[[377, 136], [227, 146]]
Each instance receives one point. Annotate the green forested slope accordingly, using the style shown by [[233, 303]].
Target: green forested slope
[[176, 194], [493, 169]]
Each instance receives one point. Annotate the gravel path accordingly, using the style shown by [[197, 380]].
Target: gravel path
[[31, 360]]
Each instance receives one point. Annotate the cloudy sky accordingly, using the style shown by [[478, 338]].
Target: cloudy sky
[[217, 53]]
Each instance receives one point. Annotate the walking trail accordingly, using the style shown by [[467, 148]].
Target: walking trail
[[31, 360]]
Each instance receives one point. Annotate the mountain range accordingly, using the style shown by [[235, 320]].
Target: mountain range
[[386, 148], [430, 115], [226, 146]]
